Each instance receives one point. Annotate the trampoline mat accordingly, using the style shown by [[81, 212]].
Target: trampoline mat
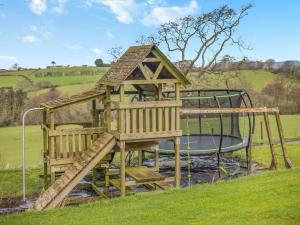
[[203, 144]]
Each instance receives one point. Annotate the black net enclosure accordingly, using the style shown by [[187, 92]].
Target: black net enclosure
[[212, 132]]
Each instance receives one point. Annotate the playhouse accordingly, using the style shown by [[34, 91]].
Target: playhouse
[[132, 113]]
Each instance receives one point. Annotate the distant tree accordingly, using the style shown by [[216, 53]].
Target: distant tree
[[115, 52], [99, 62], [211, 31], [269, 63], [53, 63]]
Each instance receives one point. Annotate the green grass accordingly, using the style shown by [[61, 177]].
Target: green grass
[[12, 78], [11, 182], [270, 198]]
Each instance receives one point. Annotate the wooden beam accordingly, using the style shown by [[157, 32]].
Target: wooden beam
[[160, 81], [158, 70], [228, 110], [177, 162], [144, 72], [152, 59], [122, 169], [93, 130], [146, 104], [288, 163], [271, 143], [149, 135]]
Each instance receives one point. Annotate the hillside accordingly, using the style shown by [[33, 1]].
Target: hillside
[[73, 79]]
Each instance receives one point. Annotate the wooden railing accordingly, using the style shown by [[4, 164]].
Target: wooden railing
[[149, 119], [71, 143]]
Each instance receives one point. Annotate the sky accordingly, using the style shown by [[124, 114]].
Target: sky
[[76, 32]]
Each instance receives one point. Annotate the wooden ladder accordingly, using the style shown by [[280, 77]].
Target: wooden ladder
[[55, 194]]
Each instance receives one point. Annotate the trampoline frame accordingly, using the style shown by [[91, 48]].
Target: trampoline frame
[[244, 97]]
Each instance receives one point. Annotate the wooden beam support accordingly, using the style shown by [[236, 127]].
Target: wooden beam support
[[158, 70], [144, 72], [271, 143], [177, 162], [122, 169], [45, 149], [288, 163], [152, 59], [228, 110], [159, 81]]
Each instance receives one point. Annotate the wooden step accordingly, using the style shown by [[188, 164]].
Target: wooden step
[[63, 186]]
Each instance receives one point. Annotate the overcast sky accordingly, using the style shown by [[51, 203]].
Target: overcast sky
[[75, 32]]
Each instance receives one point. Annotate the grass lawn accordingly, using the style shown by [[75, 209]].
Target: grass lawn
[[270, 198], [11, 182]]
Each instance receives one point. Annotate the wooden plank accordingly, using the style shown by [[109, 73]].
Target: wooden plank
[[122, 168], [128, 123], [288, 163], [134, 120], [152, 59], [160, 81], [166, 119], [147, 104], [71, 131], [149, 135], [271, 143], [141, 120], [66, 152], [158, 70], [177, 162], [228, 110], [144, 71], [147, 120], [153, 119], [74, 151], [143, 174], [52, 141], [61, 148], [79, 144], [160, 119], [173, 118]]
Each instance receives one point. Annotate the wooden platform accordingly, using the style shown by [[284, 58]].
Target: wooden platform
[[142, 174]]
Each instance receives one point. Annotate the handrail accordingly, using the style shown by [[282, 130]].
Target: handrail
[[146, 104], [92, 130], [228, 110]]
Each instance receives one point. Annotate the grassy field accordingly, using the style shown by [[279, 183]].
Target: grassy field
[[94, 73], [270, 198]]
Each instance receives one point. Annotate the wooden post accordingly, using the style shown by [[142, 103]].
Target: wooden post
[[250, 156], [106, 178], [108, 108], [177, 111], [45, 149], [271, 143], [52, 144], [140, 157], [122, 168], [261, 131], [177, 162], [121, 113], [288, 163], [160, 94], [157, 156]]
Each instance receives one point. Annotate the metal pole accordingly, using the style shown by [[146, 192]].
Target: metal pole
[[23, 149]]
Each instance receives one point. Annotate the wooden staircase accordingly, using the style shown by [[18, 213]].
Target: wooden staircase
[[55, 194]]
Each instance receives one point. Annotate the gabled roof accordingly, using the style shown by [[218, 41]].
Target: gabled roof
[[130, 60], [118, 73]]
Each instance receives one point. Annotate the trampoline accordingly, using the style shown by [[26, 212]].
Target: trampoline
[[205, 134]]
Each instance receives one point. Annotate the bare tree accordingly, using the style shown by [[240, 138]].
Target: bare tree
[[211, 32], [115, 52]]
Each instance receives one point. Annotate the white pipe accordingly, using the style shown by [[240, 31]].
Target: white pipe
[[23, 149]]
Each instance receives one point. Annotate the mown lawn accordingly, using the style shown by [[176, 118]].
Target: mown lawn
[[270, 198]]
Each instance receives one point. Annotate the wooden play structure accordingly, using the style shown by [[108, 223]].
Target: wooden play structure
[[122, 124]]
